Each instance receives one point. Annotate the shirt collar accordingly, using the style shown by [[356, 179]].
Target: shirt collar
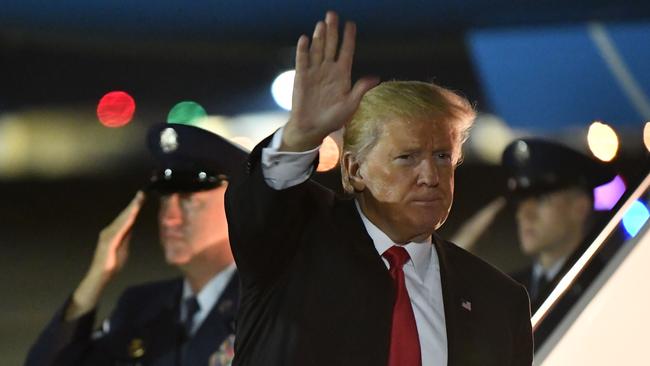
[[421, 253], [549, 273], [212, 290]]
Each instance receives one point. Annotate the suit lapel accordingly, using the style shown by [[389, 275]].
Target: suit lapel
[[457, 300], [379, 283], [348, 219]]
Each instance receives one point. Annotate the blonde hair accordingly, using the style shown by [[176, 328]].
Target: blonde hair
[[409, 100]]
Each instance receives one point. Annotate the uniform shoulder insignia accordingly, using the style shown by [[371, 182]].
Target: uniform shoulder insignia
[[522, 152]]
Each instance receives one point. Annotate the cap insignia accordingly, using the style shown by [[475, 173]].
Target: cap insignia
[[168, 140], [522, 152]]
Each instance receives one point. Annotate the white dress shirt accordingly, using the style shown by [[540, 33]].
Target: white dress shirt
[[207, 297], [550, 273], [422, 272]]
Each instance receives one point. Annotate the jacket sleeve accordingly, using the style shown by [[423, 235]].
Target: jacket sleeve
[[62, 342], [67, 343], [265, 225]]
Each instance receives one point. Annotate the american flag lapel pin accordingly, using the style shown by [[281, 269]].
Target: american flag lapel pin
[[467, 305]]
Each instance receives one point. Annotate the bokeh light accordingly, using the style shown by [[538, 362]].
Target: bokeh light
[[646, 135], [282, 89], [115, 109], [607, 195], [186, 112], [489, 137], [635, 217], [603, 141], [328, 155]]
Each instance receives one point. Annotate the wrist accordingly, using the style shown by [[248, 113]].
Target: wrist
[[298, 140], [86, 296], [95, 281]]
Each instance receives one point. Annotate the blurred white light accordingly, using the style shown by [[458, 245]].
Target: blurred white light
[[216, 124], [244, 142], [646, 135], [489, 137], [52, 142], [282, 89], [603, 141]]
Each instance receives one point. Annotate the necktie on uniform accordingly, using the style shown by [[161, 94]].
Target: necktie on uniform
[[538, 288], [191, 308], [404, 340]]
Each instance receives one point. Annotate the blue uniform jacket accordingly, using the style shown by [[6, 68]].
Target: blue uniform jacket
[[144, 329]]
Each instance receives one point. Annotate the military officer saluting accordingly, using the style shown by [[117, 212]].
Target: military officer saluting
[[552, 187], [183, 321]]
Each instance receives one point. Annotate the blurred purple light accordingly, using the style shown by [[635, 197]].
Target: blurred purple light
[[606, 195]]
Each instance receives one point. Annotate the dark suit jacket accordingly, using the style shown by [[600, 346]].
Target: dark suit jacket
[[144, 329], [564, 305], [316, 292], [525, 277]]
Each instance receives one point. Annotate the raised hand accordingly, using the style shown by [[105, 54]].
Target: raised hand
[[324, 99], [468, 234], [113, 244], [110, 255]]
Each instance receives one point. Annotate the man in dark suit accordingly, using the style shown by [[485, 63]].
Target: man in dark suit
[[183, 321], [364, 280]]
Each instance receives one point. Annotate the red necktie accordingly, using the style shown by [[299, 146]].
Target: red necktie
[[404, 340]]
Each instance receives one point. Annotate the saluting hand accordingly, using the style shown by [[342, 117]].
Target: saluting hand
[[110, 255], [113, 244], [324, 99], [469, 233]]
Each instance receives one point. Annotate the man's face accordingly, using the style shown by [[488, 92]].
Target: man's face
[[551, 221], [408, 178], [192, 225]]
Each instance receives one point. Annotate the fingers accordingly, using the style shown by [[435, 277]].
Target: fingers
[[302, 53], [361, 87], [346, 55], [325, 41], [332, 35], [123, 248], [135, 206], [317, 44], [126, 218]]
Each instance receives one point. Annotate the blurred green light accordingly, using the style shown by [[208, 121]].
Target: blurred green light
[[187, 112]]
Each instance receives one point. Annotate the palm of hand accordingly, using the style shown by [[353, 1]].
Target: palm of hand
[[324, 99], [113, 244], [321, 97]]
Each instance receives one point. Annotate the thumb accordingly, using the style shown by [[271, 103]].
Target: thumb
[[362, 86]]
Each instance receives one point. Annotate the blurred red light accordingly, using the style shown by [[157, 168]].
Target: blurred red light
[[115, 109]]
